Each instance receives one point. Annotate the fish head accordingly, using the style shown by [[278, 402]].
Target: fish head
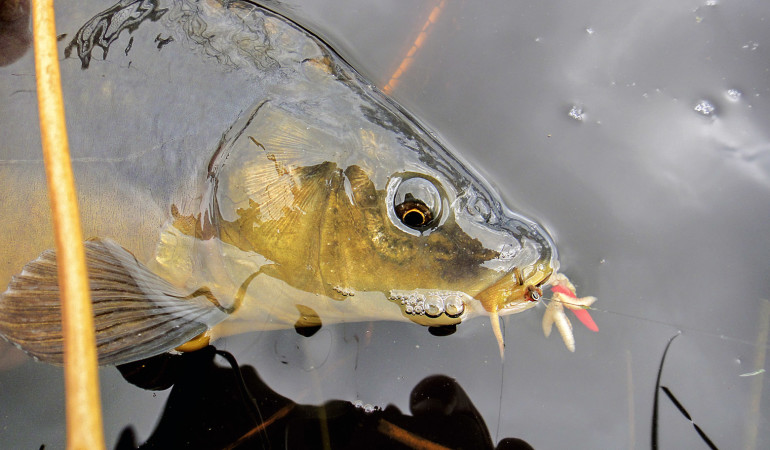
[[373, 204], [479, 256]]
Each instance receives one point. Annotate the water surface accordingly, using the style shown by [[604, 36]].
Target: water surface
[[637, 132]]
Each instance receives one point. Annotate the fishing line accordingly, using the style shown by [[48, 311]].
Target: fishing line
[[246, 397], [655, 321]]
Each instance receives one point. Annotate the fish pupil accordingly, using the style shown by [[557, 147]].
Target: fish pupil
[[414, 218], [413, 212]]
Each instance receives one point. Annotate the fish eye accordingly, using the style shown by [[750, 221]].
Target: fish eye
[[413, 213], [417, 203]]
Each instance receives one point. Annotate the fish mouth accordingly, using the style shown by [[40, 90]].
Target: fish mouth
[[517, 290]]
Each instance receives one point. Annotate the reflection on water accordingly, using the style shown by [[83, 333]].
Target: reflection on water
[[214, 403], [15, 35]]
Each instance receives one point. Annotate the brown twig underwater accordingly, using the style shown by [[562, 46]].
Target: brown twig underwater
[[418, 42], [407, 438]]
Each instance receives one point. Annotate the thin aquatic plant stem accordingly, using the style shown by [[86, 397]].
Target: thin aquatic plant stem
[[83, 406]]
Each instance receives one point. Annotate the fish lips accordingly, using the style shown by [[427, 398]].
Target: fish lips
[[527, 261], [517, 290]]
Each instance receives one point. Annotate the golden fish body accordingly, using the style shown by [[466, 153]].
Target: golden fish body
[[324, 201]]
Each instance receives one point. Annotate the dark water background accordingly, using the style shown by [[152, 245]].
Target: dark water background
[[636, 132]]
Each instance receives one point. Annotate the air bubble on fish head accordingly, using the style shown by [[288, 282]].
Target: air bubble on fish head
[[432, 307], [454, 306]]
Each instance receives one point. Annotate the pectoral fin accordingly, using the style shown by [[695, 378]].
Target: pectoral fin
[[137, 314]]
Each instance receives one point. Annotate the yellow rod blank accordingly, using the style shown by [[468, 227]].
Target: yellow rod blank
[[83, 406]]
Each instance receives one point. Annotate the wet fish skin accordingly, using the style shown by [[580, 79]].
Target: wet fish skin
[[297, 210]]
